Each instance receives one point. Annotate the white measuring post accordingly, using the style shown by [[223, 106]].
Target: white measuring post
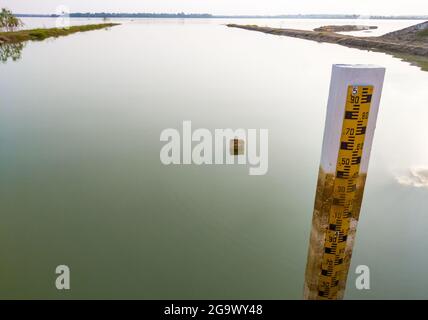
[[352, 110]]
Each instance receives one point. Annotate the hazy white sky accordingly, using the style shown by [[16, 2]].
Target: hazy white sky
[[383, 7]]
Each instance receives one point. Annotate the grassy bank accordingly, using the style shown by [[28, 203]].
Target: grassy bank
[[423, 33], [41, 34], [421, 62]]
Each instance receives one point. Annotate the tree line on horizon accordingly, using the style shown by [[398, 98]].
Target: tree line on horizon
[[207, 15]]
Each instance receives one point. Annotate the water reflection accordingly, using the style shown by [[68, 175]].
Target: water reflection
[[416, 177], [11, 51], [419, 61]]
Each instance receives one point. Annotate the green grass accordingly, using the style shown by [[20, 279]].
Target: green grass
[[41, 34], [421, 62], [422, 33]]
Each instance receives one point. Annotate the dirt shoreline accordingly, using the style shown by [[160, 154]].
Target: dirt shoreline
[[344, 28], [410, 49]]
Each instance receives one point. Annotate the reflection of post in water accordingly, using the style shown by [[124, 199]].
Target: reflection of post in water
[[11, 50]]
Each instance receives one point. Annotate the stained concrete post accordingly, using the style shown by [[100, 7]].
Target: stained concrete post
[[352, 110]]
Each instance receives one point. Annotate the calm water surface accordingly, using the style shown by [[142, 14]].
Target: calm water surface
[[82, 184]]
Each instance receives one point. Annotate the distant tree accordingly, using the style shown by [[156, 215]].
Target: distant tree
[[8, 21]]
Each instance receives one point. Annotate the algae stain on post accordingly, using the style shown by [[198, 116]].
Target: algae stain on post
[[353, 105]]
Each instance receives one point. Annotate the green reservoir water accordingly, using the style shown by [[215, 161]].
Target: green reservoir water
[[81, 182]]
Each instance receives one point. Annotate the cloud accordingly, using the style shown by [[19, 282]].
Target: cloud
[[416, 177]]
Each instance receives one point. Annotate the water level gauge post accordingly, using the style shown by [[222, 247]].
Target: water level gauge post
[[352, 109]]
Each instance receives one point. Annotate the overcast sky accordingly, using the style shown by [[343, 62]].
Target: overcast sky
[[381, 7]]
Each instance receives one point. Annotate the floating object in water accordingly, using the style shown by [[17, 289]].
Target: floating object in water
[[237, 147]]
